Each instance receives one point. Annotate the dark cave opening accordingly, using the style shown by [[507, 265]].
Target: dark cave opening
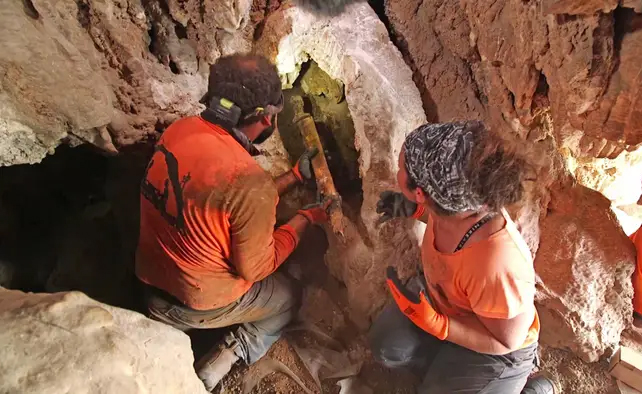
[[30, 9], [626, 21], [540, 97], [174, 67], [71, 223], [180, 30], [379, 7]]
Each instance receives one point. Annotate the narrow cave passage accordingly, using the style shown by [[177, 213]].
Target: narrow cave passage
[[71, 223], [324, 99]]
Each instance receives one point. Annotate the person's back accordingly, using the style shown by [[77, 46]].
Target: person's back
[[193, 191], [208, 249]]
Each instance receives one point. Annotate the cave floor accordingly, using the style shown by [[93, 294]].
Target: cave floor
[[324, 329]]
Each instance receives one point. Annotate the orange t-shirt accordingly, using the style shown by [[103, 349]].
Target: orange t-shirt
[[492, 278], [207, 218], [637, 274]]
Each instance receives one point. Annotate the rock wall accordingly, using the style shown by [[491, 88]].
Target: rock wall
[[584, 269], [565, 77], [385, 105], [66, 342], [108, 72]]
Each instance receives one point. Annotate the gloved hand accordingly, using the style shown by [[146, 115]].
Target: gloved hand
[[317, 213], [417, 308], [302, 170], [394, 204]]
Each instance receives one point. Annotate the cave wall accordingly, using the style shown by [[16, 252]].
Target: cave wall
[[563, 76], [69, 343], [109, 72], [384, 105], [508, 59]]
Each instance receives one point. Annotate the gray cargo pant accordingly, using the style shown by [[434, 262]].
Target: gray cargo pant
[[262, 312], [448, 368]]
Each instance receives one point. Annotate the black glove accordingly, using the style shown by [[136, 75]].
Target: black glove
[[303, 170], [394, 205]]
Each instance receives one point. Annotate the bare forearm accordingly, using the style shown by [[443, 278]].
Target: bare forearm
[[469, 332], [285, 182]]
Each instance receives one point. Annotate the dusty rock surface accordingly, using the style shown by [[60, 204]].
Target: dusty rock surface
[[576, 376], [124, 69], [584, 264], [384, 104], [67, 342], [40, 107], [506, 60], [562, 76]]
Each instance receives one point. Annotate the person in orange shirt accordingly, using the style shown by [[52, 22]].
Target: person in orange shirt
[[208, 249], [636, 238], [469, 323]]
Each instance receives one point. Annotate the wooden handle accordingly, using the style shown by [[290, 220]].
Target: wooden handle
[[325, 184]]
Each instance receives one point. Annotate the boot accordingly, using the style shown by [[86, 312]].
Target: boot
[[212, 367], [542, 383]]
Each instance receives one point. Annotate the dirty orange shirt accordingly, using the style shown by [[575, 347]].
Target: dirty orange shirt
[[637, 274], [207, 218], [492, 278]]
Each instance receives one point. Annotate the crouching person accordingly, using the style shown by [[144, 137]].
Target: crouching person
[[208, 249], [469, 323]]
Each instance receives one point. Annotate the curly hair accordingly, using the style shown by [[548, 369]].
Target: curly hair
[[249, 81], [496, 170]]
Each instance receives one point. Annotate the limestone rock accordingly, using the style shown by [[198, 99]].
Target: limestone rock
[[385, 105], [230, 15], [436, 35], [618, 179], [508, 61], [575, 7], [584, 265], [69, 343], [636, 5], [560, 74], [107, 72], [51, 84], [317, 83], [571, 61], [617, 116]]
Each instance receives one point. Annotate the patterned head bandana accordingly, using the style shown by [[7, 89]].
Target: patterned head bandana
[[437, 159]]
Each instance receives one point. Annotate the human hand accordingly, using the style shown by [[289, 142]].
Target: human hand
[[317, 213], [417, 308], [303, 170], [393, 205]]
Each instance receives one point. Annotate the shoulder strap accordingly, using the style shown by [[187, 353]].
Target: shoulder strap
[[473, 229]]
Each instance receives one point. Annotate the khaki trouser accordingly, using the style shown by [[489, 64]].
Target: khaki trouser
[[262, 313]]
